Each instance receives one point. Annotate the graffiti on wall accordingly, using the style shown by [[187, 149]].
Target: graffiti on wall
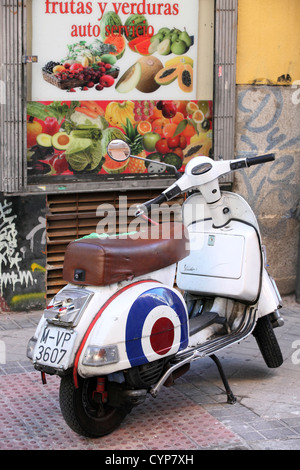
[[267, 122], [22, 267]]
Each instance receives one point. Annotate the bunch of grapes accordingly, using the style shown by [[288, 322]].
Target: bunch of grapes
[[50, 66], [143, 110]]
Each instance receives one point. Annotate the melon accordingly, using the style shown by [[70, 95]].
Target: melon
[[119, 42], [108, 21], [143, 47], [137, 40], [129, 79], [135, 25], [140, 76], [114, 167], [150, 66]]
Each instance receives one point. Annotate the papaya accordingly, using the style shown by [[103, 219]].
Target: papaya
[[185, 78], [192, 150], [167, 75]]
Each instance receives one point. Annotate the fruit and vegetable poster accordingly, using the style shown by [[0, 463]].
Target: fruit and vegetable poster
[[114, 69]]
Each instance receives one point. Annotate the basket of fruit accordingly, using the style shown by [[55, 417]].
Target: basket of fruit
[[71, 76]]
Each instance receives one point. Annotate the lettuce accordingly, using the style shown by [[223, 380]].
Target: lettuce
[[87, 159]]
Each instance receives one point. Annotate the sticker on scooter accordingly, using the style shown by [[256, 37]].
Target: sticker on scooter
[[156, 326]]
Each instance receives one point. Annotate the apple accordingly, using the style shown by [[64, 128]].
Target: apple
[[149, 141]]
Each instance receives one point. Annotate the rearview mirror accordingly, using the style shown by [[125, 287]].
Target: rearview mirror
[[118, 150]]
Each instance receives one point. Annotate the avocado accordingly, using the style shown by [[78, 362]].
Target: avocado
[[44, 140], [61, 140]]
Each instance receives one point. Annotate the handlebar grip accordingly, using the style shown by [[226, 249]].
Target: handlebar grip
[[157, 200], [270, 157]]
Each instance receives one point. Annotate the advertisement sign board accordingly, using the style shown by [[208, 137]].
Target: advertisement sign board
[[112, 69]]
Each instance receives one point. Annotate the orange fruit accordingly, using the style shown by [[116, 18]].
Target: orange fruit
[[178, 117], [58, 68], [169, 129], [189, 131], [158, 125], [181, 107], [156, 114], [143, 127]]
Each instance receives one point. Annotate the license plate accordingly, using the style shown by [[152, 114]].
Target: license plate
[[54, 347]]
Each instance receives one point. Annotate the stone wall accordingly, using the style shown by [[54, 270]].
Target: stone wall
[[268, 120], [22, 253]]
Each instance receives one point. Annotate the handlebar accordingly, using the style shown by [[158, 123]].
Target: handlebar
[[250, 161], [270, 157], [177, 189], [147, 205]]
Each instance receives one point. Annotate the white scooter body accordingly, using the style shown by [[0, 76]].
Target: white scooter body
[[119, 318], [104, 330], [226, 260]]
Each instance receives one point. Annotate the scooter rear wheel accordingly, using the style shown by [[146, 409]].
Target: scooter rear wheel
[[83, 414], [267, 342]]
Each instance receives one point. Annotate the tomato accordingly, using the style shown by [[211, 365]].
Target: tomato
[[173, 142], [162, 146]]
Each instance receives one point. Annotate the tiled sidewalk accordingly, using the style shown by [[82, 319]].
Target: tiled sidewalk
[[192, 415]]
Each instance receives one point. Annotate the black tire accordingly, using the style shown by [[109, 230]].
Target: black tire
[[267, 342], [80, 411]]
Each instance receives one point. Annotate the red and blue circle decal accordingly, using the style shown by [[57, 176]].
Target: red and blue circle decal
[[156, 326]]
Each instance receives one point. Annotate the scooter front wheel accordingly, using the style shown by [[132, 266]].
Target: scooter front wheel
[[83, 413], [267, 342]]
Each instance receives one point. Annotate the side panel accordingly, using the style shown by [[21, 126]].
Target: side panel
[[225, 262]]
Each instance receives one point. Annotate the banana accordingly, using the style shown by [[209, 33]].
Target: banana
[[183, 59]]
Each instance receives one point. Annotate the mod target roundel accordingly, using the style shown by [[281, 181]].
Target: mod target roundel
[[156, 326]]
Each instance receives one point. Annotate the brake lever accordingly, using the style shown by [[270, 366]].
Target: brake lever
[[139, 212]]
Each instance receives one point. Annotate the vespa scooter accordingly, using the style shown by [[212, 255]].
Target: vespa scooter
[[120, 330]]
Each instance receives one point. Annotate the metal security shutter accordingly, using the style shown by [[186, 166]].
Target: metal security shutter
[[72, 216], [12, 96], [224, 80]]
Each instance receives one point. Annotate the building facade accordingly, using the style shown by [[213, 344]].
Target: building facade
[[247, 88]]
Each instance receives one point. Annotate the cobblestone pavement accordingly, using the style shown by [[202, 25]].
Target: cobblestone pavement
[[190, 416]]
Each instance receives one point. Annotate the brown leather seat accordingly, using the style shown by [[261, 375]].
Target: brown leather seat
[[102, 261]]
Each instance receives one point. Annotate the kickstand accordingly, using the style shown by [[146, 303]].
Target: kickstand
[[231, 399]]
